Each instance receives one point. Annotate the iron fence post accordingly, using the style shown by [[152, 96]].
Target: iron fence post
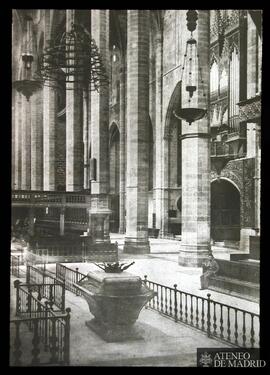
[[208, 315], [46, 326], [18, 266], [145, 281], [16, 286], [67, 338], [175, 302], [77, 278], [63, 296], [28, 274]]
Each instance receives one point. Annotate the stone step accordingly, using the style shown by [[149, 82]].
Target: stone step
[[181, 360], [236, 287], [245, 271]]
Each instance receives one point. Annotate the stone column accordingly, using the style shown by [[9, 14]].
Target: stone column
[[253, 149], [107, 228], [17, 113], [86, 112], [159, 134], [136, 240], [74, 126], [195, 244], [97, 227], [62, 221], [100, 122], [31, 229], [257, 178], [122, 123], [37, 141], [100, 106], [13, 166], [165, 186], [49, 123], [26, 144], [49, 120]]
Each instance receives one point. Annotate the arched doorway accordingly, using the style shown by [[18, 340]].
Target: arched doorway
[[225, 211], [173, 163], [114, 160]]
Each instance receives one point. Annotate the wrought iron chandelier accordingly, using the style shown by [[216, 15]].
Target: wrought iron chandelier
[[191, 66], [73, 59]]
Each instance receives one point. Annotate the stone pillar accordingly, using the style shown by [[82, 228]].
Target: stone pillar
[[13, 166], [49, 120], [159, 135], [26, 144], [136, 240], [37, 141], [97, 228], [245, 233], [251, 57], [165, 187], [100, 106], [107, 228], [74, 126], [100, 122], [31, 229], [257, 179], [195, 244], [86, 130], [122, 123], [253, 129], [49, 123], [62, 221], [17, 113]]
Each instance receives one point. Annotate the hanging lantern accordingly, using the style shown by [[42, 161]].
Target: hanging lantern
[[28, 82], [192, 70], [73, 58]]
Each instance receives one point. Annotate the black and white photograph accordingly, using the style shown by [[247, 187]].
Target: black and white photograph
[[135, 188]]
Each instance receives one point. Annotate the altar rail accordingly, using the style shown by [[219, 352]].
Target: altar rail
[[48, 331], [69, 277], [227, 323], [46, 286]]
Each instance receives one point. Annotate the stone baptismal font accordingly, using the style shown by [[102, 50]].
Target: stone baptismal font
[[115, 299]]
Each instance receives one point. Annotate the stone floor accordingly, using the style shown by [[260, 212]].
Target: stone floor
[[163, 343]]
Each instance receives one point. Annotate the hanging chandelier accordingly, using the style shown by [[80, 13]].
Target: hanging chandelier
[[74, 60], [193, 72], [28, 81]]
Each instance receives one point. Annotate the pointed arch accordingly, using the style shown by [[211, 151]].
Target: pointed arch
[[174, 102]]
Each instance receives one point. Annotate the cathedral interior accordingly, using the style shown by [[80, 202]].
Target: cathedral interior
[[136, 134]]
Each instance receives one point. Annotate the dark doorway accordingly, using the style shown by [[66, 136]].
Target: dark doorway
[[225, 211]]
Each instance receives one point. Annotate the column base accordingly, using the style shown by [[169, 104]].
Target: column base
[[244, 239], [192, 255], [136, 246]]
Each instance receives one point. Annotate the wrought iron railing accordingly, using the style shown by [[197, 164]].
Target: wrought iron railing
[[76, 215], [69, 277], [46, 286], [50, 331], [56, 198], [217, 320]]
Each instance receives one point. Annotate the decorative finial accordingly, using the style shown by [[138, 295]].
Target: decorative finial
[[114, 267]]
